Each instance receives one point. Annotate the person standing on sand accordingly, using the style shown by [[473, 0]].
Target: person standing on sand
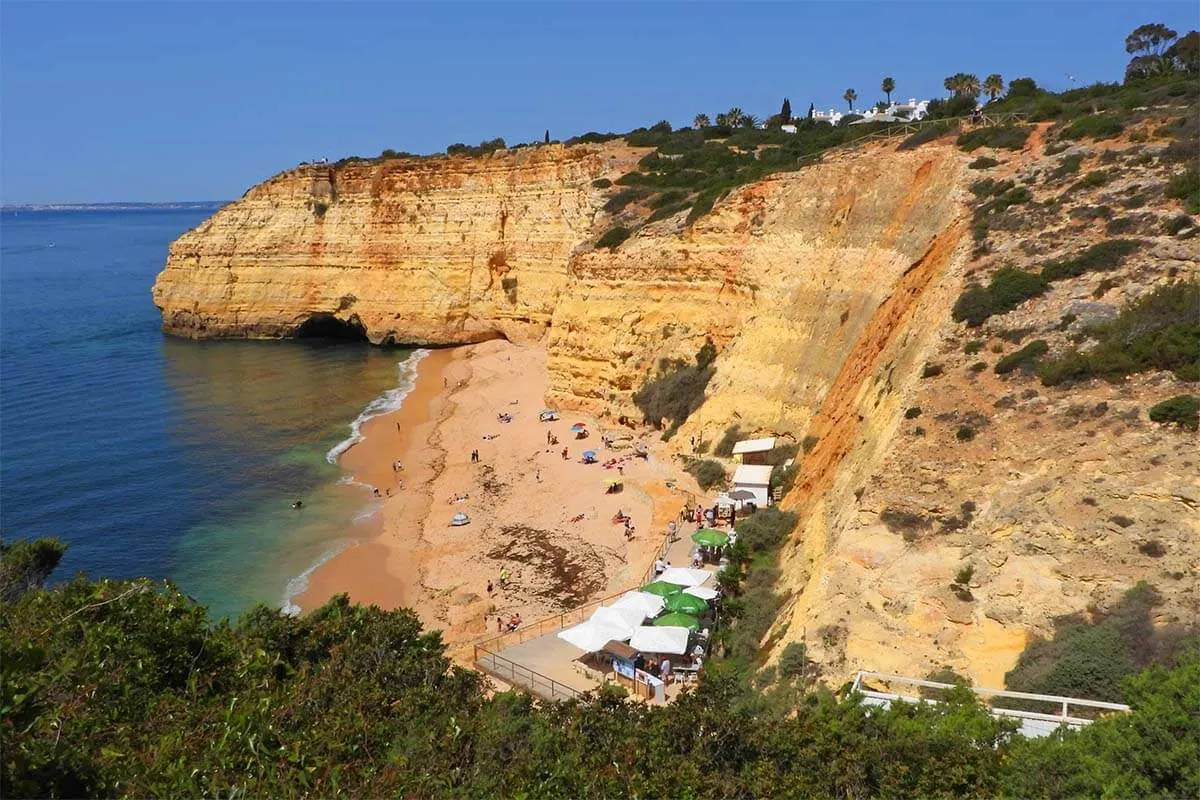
[[499, 624], [490, 587]]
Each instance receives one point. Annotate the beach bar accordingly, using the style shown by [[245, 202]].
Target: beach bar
[[755, 479]]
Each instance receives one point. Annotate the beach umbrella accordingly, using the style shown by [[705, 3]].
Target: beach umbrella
[[677, 620], [662, 588], [703, 592], [686, 603], [741, 494], [710, 538], [685, 576], [589, 453], [649, 639]]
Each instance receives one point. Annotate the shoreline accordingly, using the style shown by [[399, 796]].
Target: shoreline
[[544, 518]]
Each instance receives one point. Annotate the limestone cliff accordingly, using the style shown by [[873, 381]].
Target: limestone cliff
[[827, 291], [440, 251]]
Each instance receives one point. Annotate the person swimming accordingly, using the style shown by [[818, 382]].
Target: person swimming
[[298, 504]]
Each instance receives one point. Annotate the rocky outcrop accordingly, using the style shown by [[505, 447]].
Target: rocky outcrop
[[437, 251]]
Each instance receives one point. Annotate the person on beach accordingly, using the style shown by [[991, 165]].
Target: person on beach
[[665, 670], [397, 427], [564, 454], [659, 567], [490, 587], [499, 624]]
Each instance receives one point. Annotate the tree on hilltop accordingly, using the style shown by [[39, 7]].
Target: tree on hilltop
[[785, 113], [812, 109], [1184, 55], [547, 139], [722, 120], [734, 117], [888, 86], [1148, 44], [993, 85], [962, 84], [850, 96], [750, 121], [701, 121]]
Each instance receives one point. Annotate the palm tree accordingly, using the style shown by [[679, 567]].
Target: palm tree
[[952, 83], [850, 96], [701, 121], [993, 84], [722, 120], [888, 87], [969, 86], [734, 116], [749, 121]]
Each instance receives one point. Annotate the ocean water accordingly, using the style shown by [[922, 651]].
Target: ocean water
[[164, 457]]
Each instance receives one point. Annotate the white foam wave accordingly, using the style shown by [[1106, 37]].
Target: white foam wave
[[299, 584], [386, 403]]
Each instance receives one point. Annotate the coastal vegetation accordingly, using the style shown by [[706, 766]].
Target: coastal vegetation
[[1182, 410], [127, 688], [1159, 330]]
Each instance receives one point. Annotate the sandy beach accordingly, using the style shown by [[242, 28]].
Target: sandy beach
[[544, 518]]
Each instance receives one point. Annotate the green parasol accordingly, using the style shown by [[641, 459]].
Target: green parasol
[[710, 537], [677, 620], [662, 588], [686, 604]]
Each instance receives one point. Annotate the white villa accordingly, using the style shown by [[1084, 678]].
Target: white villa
[[912, 110]]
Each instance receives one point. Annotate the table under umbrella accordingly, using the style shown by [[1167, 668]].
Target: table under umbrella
[[677, 620], [686, 604], [710, 537], [662, 588]]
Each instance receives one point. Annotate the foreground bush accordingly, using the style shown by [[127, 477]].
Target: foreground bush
[[128, 689]]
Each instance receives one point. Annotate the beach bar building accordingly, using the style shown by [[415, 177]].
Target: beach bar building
[[755, 479], [753, 451]]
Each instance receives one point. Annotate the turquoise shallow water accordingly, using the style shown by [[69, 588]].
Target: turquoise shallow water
[[164, 457]]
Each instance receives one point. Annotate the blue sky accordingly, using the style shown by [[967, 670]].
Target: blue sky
[[169, 100]]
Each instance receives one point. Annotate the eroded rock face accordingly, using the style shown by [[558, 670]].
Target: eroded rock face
[[437, 251]]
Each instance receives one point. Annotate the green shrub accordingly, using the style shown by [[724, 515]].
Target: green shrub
[[912, 413], [668, 211], [724, 448], [793, 660], [1100, 257], [1103, 287], [928, 134], [1094, 179], [907, 523], [1067, 166], [708, 473], [978, 366], [1185, 186], [618, 201], [602, 183], [974, 346], [1094, 126], [766, 528], [1005, 137], [965, 433], [1008, 288], [1055, 148], [1025, 357], [1176, 224], [983, 162], [1159, 330], [1182, 410], [613, 237], [1134, 201], [704, 203], [1119, 225], [989, 187], [931, 370]]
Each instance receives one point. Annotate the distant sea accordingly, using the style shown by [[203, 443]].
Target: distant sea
[[164, 457]]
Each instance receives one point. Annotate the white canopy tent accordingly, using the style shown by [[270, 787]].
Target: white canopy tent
[[625, 618], [590, 636], [649, 604], [667, 639], [703, 592], [682, 576]]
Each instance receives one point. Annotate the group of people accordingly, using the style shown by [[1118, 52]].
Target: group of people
[[474, 456], [513, 623]]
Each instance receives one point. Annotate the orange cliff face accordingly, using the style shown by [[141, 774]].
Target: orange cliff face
[[438, 251]]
